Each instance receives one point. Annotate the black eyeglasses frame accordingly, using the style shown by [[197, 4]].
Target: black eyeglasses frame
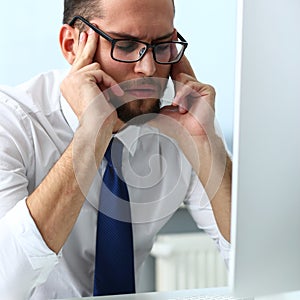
[[113, 41]]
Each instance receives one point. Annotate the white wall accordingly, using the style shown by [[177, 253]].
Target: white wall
[[29, 44], [29, 39], [210, 28]]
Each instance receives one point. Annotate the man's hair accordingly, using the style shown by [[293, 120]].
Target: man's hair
[[85, 8]]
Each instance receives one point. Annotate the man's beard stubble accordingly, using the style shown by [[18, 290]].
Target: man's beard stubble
[[133, 113], [132, 110]]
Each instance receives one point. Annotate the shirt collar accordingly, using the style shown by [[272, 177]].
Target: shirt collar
[[69, 114], [129, 137]]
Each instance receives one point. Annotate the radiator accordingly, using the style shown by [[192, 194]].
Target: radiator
[[187, 261]]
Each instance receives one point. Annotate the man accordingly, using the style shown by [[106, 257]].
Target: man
[[53, 145]]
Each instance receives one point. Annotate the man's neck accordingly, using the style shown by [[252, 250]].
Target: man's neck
[[118, 126]]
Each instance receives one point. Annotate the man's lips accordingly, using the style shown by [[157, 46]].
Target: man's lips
[[143, 92]]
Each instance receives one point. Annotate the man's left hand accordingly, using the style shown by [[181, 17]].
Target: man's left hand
[[190, 121]]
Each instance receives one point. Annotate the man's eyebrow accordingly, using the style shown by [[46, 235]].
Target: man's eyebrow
[[121, 35]]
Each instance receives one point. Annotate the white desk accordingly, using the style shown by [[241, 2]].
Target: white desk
[[178, 295]]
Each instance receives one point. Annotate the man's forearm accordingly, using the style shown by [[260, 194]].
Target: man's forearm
[[57, 201], [221, 202], [213, 166]]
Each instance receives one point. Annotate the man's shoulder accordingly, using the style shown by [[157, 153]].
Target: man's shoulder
[[40, 93]]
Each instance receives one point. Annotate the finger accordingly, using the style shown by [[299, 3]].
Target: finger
[[188, 85], [183, 79], [81, 44], [109, 83], [94, 73], [103, 79], [183, 66], [204, 114], [87, 48], [191, 91], [184, 92]]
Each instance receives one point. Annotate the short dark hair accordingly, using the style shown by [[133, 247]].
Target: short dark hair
[[86, 8]]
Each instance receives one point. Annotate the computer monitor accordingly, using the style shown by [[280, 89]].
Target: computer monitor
[[266, 151]]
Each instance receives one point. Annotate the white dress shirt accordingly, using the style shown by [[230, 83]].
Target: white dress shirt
[[36, 126]]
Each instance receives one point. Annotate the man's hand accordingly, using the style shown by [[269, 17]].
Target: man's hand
[[194, 103], [190, 118], [82, 85], [190, 121]]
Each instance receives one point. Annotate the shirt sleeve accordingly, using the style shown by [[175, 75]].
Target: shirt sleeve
[[198, 205], [25, 259]]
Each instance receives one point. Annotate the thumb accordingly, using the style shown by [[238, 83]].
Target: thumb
[[183, 66]]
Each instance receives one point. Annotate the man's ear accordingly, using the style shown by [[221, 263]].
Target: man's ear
[[68, 40]]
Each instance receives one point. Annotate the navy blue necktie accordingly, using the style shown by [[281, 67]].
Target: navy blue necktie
[[114, 262]]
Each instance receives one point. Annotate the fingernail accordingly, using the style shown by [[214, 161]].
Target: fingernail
[[81, 36], [182, 110], [90, 31]]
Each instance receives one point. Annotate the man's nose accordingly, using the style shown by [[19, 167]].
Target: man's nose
[[146, 65]]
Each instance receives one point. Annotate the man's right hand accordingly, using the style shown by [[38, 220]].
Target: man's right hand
[[82, 85]]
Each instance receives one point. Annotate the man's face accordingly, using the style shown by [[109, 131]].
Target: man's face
[[144, 20]]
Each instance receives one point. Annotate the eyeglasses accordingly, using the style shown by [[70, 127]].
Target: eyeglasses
[[131, 50]]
